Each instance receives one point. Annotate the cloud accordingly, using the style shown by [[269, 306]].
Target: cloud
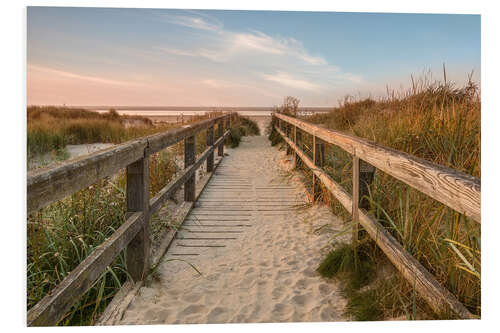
[[194, 22], [81, 77], [231, 43], [290, 81]]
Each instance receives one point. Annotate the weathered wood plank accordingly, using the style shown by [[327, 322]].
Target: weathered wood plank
[[47, 185], [138, 201], [189, 159], [52, 307], [220, 131], [165, 193], [438, 297], [210, 142], [355, 199], [455, 189], [161, 141]]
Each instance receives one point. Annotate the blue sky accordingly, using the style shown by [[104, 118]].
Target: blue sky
[[90, 56]]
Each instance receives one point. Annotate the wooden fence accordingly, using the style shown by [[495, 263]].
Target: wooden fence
[[456, 190], [49, 185]]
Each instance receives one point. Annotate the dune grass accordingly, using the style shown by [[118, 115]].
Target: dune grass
[[50, 129], [242, 126], [61, 235], [438, 122]]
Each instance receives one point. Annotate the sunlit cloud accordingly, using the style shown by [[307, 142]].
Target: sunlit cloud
[[231, 43], [194, 22], [292, 82], [71, 75]]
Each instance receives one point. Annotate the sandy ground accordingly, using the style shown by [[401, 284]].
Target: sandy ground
[[256, 251]]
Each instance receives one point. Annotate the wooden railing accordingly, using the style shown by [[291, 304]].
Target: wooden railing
[[49, 185], [456, 190]]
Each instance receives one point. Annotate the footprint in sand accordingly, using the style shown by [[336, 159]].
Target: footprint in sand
[[324, 289], [192, 298], [192, 309], [301, 300], [281, 310], [217, 314]]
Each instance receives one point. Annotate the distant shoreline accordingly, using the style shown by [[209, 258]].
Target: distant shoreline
[[193, 108]]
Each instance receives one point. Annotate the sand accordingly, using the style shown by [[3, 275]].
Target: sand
[[256, 254]]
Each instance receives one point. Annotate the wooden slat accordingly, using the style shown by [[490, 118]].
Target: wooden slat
[[47, 185], [455, 189], [49, 310], [438, 297]]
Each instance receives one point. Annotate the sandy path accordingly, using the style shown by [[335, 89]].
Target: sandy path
[[257, 256]]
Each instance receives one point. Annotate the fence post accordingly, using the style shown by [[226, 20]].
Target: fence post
[[289, 149], [362, 177], [138, 201], [355, 200], [189, 159], [366, 175], [298, 139], [210, 142], [220, 133], [318, 157]]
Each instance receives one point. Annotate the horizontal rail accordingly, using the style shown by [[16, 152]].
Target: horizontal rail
[[48, 185], [438, 297], [48, 311], [455, 189], [166, 192]]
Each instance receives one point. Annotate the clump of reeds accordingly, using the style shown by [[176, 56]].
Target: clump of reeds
[[61, 235], [242, 126], [52, 128], [438, 122]]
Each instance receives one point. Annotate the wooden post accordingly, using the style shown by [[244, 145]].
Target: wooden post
[[138, 201], [189, 159], [210, 142], [299, 144], [318, 157], [355, 200], [366, 175], [220, 130], [289, 149], [362, 177]]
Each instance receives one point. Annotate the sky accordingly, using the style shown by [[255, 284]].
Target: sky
[[153, 57]]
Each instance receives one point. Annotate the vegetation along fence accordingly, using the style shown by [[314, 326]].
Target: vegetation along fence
[[454, 189], [49, 185]]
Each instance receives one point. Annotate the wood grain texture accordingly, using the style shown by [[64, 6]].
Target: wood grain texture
[[49, 310], [210, 142], [189, 159], [138, 201], [455, 189], [355, 199], [438, 297], [47, 185]]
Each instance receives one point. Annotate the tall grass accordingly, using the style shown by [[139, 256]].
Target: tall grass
[[61, 235], [440, 123], [52, 128]]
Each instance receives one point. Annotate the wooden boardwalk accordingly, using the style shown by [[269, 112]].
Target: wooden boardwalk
[[256, 251]]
